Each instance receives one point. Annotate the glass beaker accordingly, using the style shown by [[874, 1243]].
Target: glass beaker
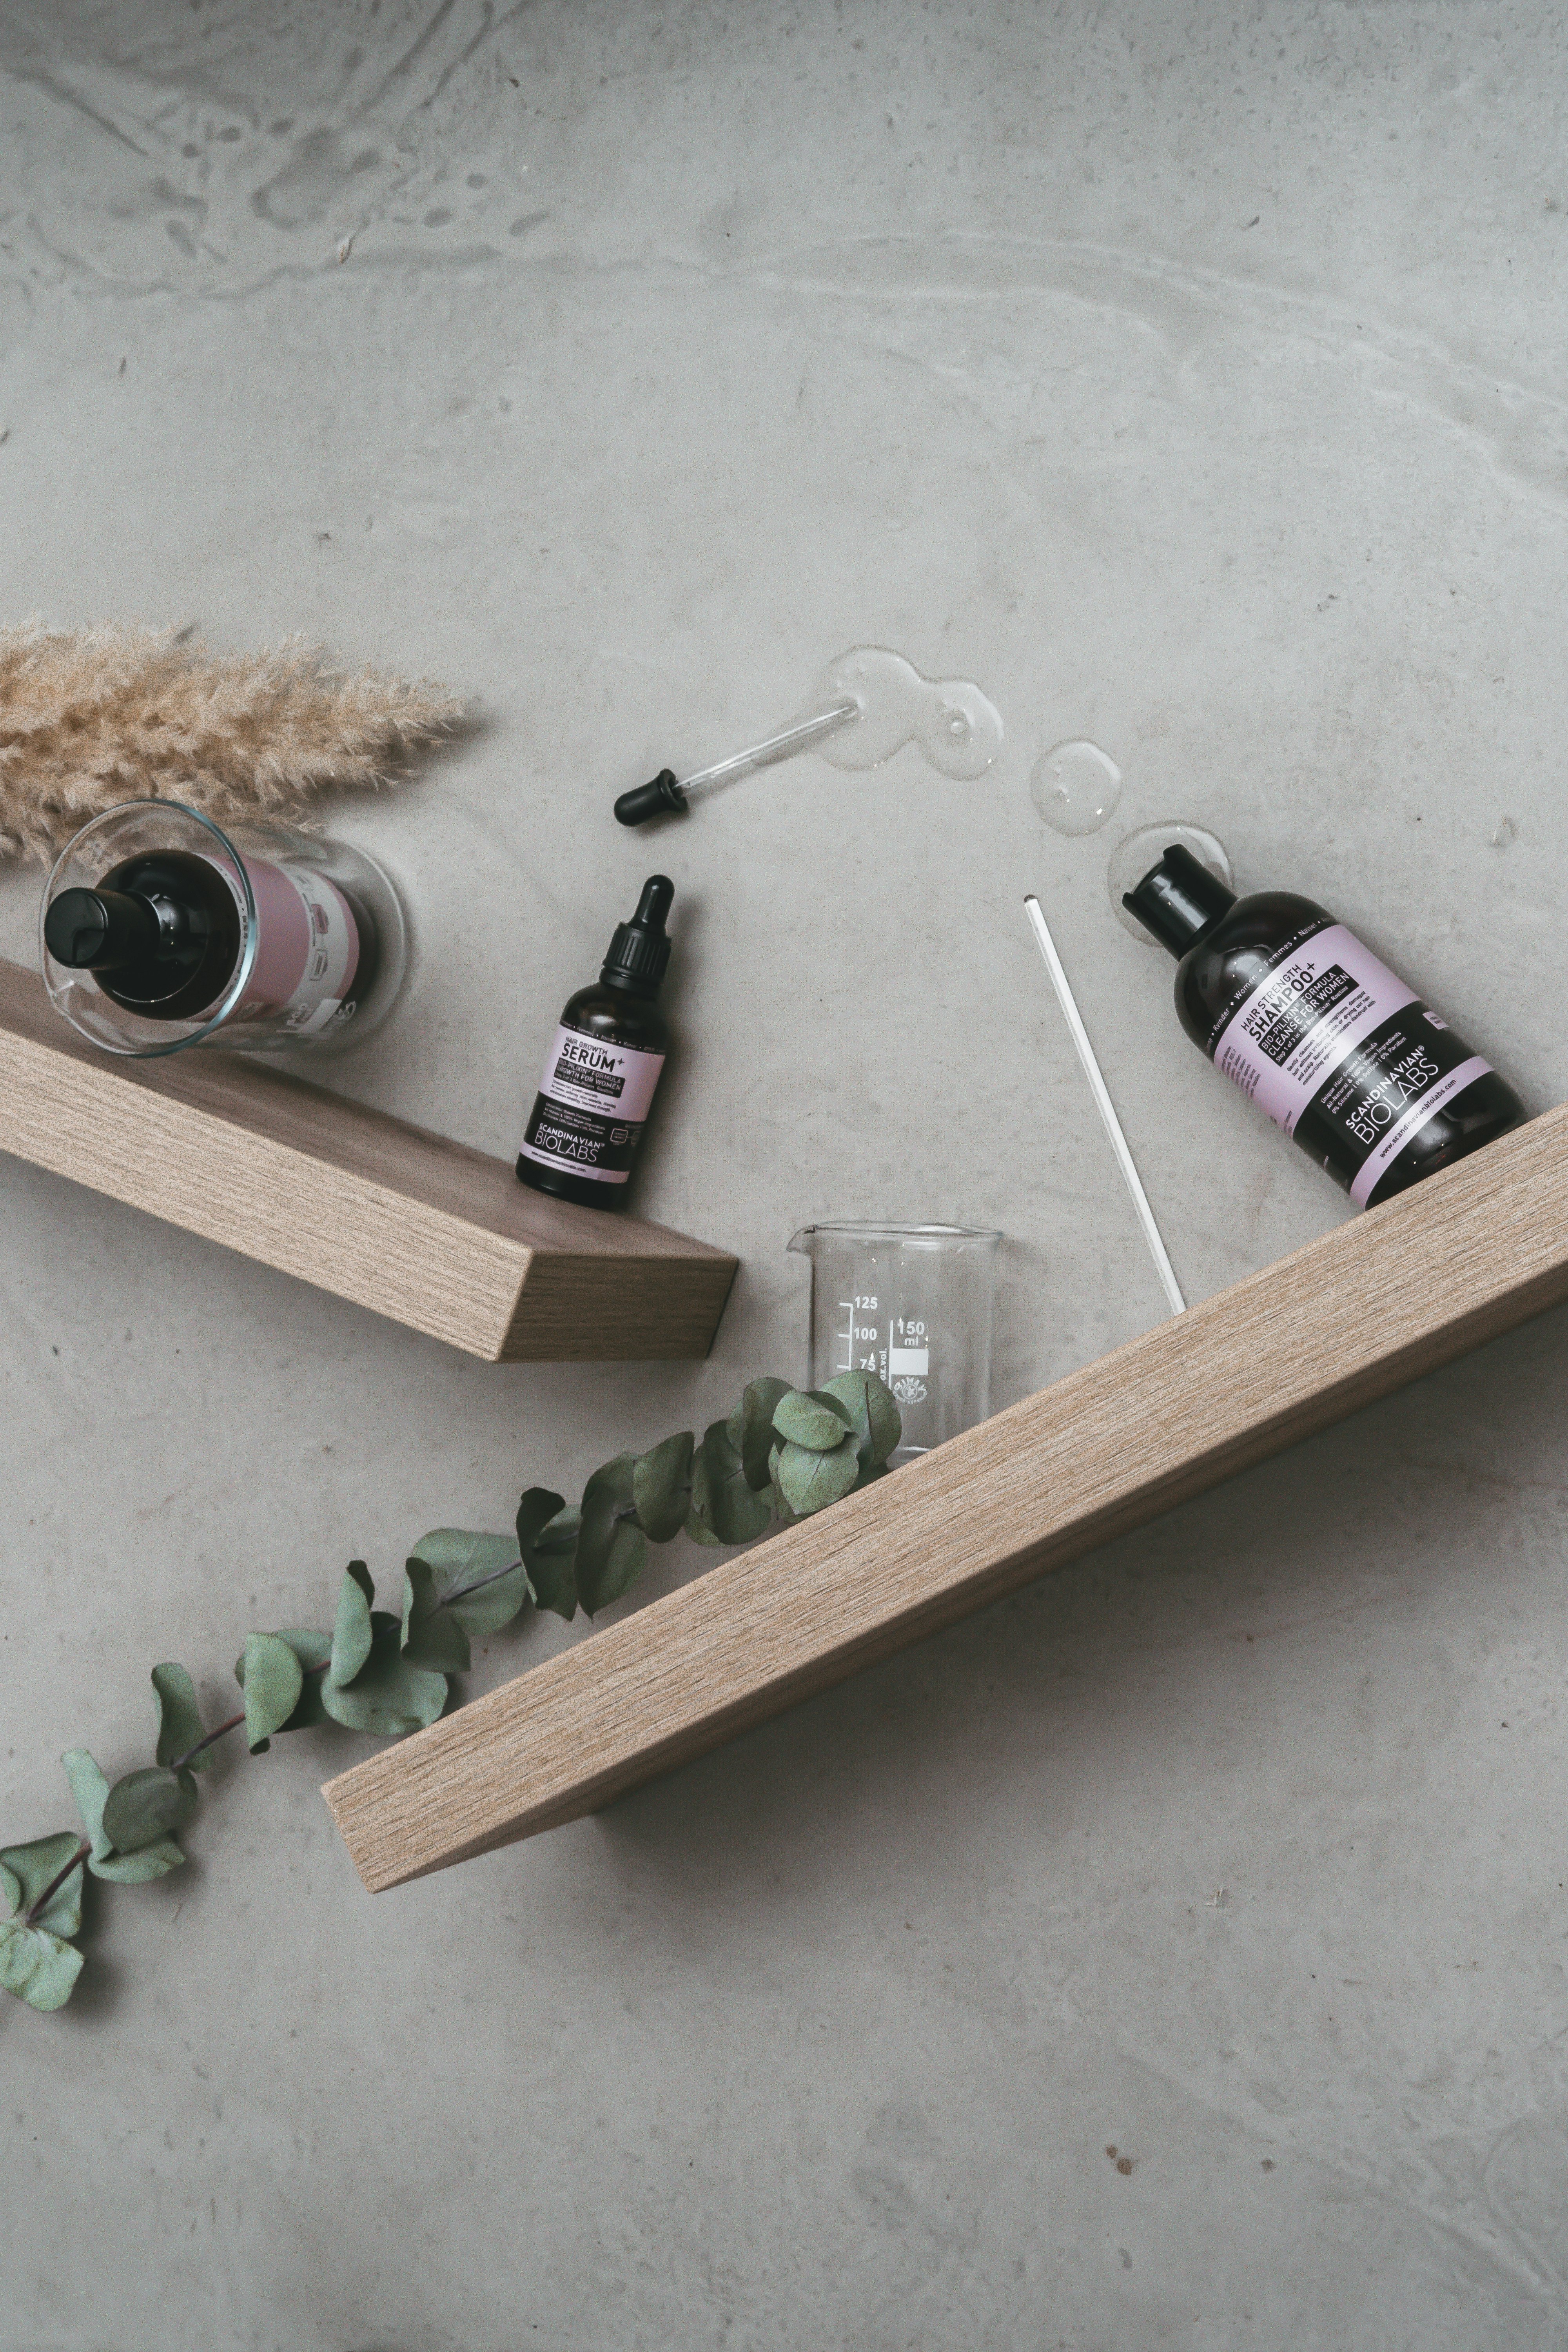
[[159, 929], [913, 1304]]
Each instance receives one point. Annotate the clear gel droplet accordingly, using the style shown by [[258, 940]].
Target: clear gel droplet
[[1139, 852], [1075, 787], [956, 727]]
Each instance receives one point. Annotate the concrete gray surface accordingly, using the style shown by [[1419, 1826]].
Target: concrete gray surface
[[1192, 379]]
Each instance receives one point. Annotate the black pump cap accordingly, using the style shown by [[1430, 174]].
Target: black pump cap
[[103, 930], [1179, 900], [640, 952], [662, 796]]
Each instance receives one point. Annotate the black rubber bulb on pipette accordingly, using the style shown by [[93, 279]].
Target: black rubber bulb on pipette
[[662, 796]]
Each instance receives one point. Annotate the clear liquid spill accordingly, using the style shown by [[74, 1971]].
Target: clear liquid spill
[[957, 728], [1075, 787], [1134, 857]]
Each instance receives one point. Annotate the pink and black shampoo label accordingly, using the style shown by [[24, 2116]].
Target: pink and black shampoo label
[[592, 1102], [1342, 1055], [307, 951]]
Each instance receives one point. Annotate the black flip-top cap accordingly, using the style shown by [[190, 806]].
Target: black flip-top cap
[[101, 931], [1179, 900], [640, 952]]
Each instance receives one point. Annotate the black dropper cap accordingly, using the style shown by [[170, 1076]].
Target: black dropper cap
[[639, 952], [103, 930], [662, 797], [1179, 900]]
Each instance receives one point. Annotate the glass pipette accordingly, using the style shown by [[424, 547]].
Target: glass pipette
[[664, 794]]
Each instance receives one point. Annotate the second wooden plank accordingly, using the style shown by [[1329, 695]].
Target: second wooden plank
[[1369, 1306]]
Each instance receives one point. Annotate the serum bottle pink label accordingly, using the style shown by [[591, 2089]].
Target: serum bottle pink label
[[587, 1117]]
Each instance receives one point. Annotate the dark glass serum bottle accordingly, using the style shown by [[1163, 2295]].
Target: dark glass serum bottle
[[1337, 1050], [601, 1070]]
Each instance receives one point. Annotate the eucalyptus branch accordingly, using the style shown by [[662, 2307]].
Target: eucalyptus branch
[[40, 1902], [209, 1739], [781, 1455]]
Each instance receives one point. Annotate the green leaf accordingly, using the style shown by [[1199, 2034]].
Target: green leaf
[[431, 1635], [809, 1481], [314, 1653], [547, 1537], [782, 1512], [661, 1487], [272, 1679], [702, 1533], [462, 1561], [37, 1966], [37, 1962], [90, 1789], [388, 1695], [352, 1633], [721, 1500], [611, 1546], [27, 1870], [873, 1416], [810, 1417], [180, 1725], [750, 1427], [146, 1806]]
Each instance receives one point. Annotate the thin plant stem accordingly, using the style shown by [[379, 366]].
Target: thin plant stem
[[56, 1881], [233, 1723]]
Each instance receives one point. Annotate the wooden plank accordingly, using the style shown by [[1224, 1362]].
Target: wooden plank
[[368, 1207], [1370, 1306]]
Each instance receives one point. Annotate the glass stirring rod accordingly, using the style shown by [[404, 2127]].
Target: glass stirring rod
[[1103, 1104], [664, 794]]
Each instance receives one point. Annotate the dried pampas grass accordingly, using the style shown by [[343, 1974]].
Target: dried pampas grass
[[90, 716]]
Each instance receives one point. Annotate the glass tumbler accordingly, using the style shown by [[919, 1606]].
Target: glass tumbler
[[912, 1303], [160, 929]]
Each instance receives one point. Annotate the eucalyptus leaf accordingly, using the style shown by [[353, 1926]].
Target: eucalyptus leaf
[[180, 1725], [809, 1481], [314, 1653], [782, 1511], [750, 1427], [37, 1963], [873, 1416], [720, 1498], [810, 1417], [431, 1635], [90, 1789], [611, 1546], [272, 1679], [480, 1579], [662, 1487], [388, 1695], [702, 1533], [146, 1806], [547, 1530], [351, 1635], [26, 1870], [38, 1966]]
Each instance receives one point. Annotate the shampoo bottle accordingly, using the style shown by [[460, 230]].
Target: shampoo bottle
[[1371, 1082], [602, 1068]]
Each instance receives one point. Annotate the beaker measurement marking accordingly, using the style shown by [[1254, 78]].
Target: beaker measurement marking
[[854, 1332]]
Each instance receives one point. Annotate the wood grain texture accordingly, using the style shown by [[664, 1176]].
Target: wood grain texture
[[420, 1229], [1370, 1306]]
